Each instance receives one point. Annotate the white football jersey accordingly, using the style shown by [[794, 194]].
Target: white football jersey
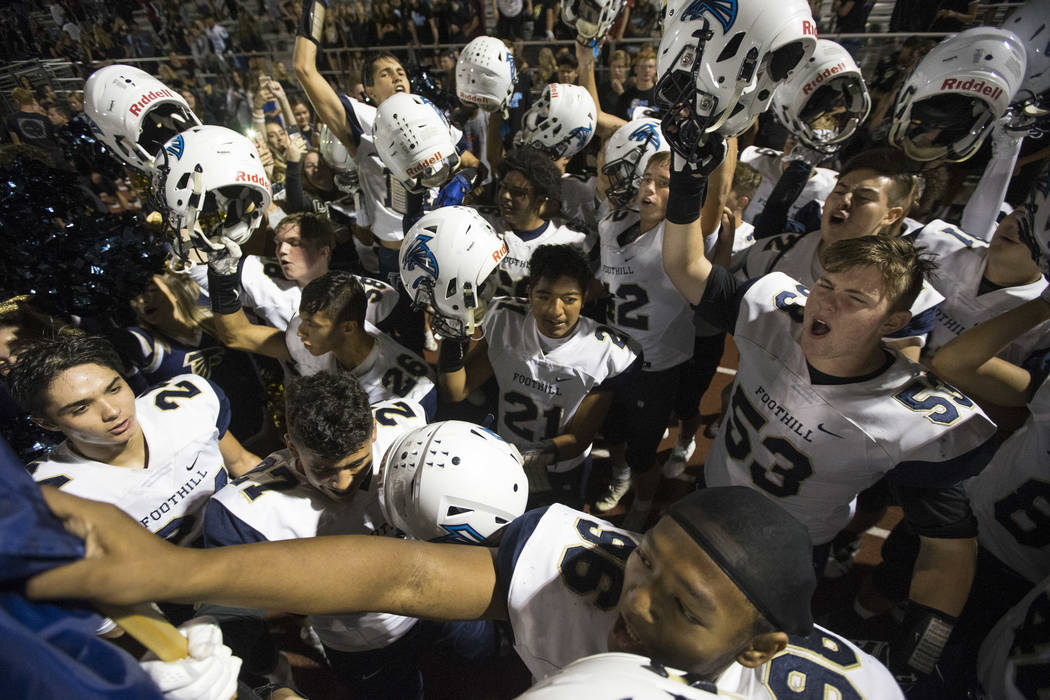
[[795, 254], [566, 582], [961, 261], [514, 267], [1014, 657], [1011, 497], [540, 391], [645, 303], [182, 420], [390, 371], [274, 502], [767, 162], [743, 239], [814, 447]]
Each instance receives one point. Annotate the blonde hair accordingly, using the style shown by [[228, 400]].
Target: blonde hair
[[186, 294], [898, 260], [745, 180]]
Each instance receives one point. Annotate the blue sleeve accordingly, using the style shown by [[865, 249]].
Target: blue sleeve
[[920, 324], [351, 118], [723, 295], [462, 145], [513, 541], [222, 528], [925, 474], [1038, 365], [429, 404], [222, 421]]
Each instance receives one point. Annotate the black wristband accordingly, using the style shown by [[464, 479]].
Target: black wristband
[[224, 291], [686, 197], [311, 20], [450, 355]]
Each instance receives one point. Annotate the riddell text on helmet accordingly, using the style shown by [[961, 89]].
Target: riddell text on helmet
[[424, 164], [137, 108], [822, 76], [973, 85]]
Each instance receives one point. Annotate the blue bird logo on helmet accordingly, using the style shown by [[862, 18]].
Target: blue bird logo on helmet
[[724, 11], [581, 134], [646, 133], [176, 146], [420, 255]]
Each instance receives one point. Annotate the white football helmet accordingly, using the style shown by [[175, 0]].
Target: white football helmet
[[591, 18], [335, 154], [1034, 223], [446, 261], [720, 61], [626, 154], [560, 123], [825, 100], [133, 113], [1030, 110], [951, 99], [485, 74], [211, 188], [452, 481], [619, 676], [414, 141]]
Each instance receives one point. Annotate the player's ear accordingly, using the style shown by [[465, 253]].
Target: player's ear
[[761, 649], [894, 322], [743, 201]]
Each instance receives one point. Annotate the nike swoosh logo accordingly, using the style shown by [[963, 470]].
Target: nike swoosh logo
[[627, 260], [821, 428], [562, 379], [190, 468]]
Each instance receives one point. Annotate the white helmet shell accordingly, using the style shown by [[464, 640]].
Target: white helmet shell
[[485, 74], [627, 152], [591, 18], [1034, 223], [720, 61], [1031, 106], [619, 676], [414, 141], [452, 481], [560, 123], [334, 152], [446, 261], [951, 99], [211, 186], [133, 113], [825, 100]]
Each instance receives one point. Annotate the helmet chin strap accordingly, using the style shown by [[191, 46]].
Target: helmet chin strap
[[747, 71]]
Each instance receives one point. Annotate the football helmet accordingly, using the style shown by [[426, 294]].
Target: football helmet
[[948, 104], [446, 261], [1030, 110], [619, 676], [560, 123], [1034, 223], [720, 61], [591, 18], [133, 113], [211, 187], [414, 141], [626, 154], [485, 74], [825, 100], [452, 481], [335, 154]]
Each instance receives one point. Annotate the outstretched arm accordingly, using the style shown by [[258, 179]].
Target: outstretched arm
[[124, 563], [607, 123], [322, 96], [683, 245]]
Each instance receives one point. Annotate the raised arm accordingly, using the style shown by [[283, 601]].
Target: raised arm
[[607, 123], [125, 564], [322, 96], [232, 327], [969, 360], [683, 244], [458, 376]]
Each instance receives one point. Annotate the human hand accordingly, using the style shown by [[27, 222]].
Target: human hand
[[208, 673]]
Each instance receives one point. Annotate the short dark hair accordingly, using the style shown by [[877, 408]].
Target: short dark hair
[[551, 262], [539, 170], [893, 165], [40, 363], [899, 261], [328, 413], [339, 294], [567, 59], [368, 74], [315, 229]]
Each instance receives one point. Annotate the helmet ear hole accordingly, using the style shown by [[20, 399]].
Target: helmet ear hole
[[785, 59], [183, 182], [456, 510], [731, 47]]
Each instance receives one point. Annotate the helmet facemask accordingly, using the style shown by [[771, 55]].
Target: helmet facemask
[[465, 321], [623, 175]]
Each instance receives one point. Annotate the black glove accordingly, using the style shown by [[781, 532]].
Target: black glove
[[224, 284], [450, 355]]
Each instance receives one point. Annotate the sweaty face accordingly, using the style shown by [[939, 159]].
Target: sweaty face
[[678, 607], [339, 480], [653, 189], [518, 202], [846, 315], [858, 206], [556, 305], [300, 262], [92, 405], [318, 333], [388, 78]]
